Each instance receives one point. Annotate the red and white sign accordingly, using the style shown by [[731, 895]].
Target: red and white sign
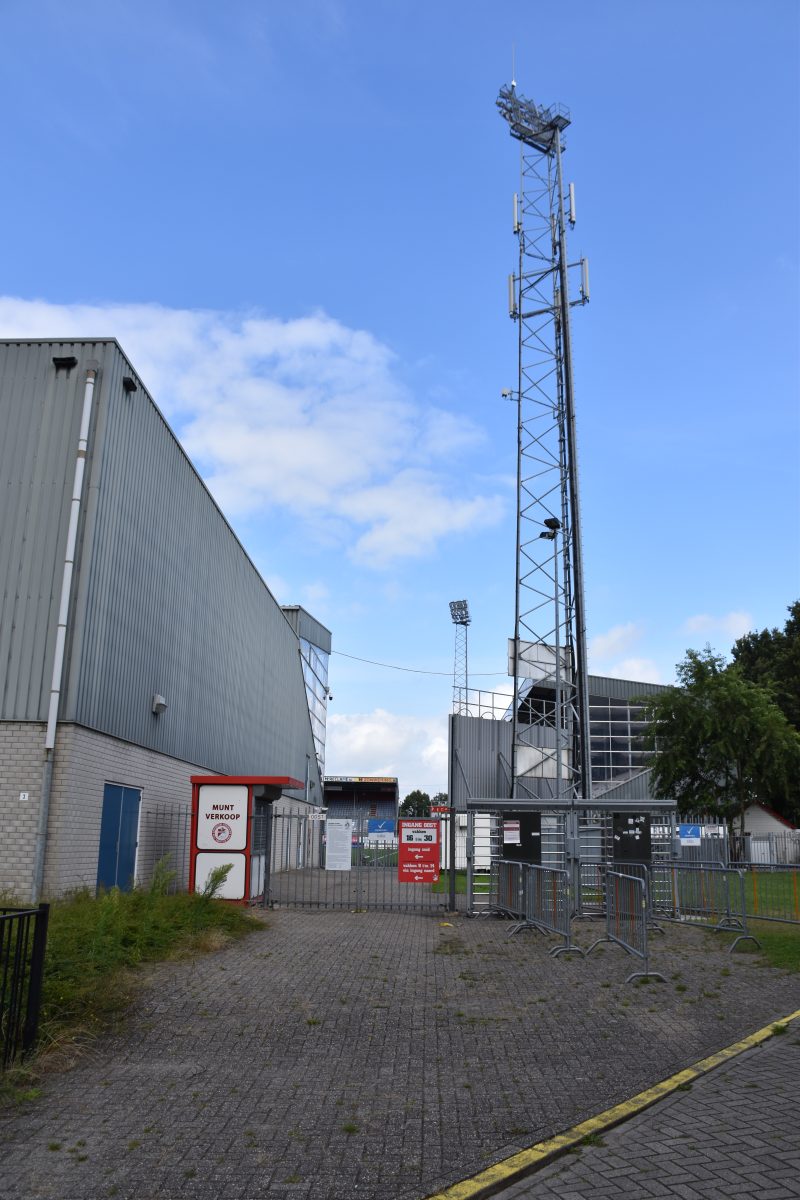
[[418, 857], [222, 818], [441, 810]]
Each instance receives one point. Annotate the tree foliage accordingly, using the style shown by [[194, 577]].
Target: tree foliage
[[721, 741], [771, 658], [416, 804]]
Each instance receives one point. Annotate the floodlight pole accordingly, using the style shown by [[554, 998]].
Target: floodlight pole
[[459, 614], [549, 605]]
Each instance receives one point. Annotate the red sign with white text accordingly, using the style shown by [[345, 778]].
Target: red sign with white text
[[418, 857]]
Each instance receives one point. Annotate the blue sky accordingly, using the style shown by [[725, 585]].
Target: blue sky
[[296, 220]]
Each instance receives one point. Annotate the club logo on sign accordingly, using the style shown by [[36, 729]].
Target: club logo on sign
[[221, 833]]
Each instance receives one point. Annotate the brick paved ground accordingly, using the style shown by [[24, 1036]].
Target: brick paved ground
[[378, 1055], [735, 1134]]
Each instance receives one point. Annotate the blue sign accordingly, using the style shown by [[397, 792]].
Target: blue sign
[[689, 835], [380, 825]]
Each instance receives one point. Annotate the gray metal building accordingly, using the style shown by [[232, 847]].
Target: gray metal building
[[481, 735], [176, 656]]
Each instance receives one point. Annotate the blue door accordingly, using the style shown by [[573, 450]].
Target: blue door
[[118, 837]]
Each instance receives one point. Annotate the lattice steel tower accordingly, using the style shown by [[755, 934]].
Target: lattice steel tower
[[551, 755], [459, 613]]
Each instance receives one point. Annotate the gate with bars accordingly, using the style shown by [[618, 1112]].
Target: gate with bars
[[294, 866], [586, 841]]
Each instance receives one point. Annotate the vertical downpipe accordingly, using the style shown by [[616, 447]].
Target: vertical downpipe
[[61, 636]]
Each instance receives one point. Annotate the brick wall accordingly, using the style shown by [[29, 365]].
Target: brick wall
[[85, 761], [21, 766]]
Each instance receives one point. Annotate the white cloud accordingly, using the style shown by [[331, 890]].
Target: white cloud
[[304, 415], [731, 625], [605, 651], [639, 670], [618, 639], [385, 743]]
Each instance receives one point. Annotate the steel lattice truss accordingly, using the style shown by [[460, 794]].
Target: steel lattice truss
[[459, 614], [550, 709], [460, 675]]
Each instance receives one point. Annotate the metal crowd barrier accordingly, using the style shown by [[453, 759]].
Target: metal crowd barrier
[[772, 893], [540, 898], [592, 894], [627, 919], [703, 893]]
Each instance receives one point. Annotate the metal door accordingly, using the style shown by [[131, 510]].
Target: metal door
[[119, 829]]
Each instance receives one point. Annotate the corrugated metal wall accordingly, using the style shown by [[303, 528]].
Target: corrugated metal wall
[[40, 411], [308, 627], [166, 600], [480, 759]]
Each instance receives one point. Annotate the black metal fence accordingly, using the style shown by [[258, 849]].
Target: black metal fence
[[23, 938]]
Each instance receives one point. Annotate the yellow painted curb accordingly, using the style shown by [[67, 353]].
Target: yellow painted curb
[[503, 1174]]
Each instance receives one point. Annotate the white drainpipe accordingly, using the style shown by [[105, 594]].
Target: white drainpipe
[[61, 633]]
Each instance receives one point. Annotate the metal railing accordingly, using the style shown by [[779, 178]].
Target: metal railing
[[706, 894], [296, 871], [772, 893], [23, 939], [627, 922], [539, 898], [592, 889], [165, 834]]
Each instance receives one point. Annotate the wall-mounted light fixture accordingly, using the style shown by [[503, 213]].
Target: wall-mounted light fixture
[[159, 704]]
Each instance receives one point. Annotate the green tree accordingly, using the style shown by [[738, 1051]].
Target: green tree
[[720, 741], [771, 658], [416, 804], [440, 798]]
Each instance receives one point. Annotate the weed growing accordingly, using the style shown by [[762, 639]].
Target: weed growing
[[95, 942]]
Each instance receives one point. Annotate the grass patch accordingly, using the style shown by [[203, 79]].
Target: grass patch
[[593, 1139], [95, 943], [780, 944], [442, 885]]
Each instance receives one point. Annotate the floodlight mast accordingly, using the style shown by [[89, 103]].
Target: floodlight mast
[[459, 613], [549, 606]]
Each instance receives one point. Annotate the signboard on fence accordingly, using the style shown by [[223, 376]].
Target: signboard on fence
[[381, 829], [418, 855], [522, 837], [689, 835], [338, 844], [632, 843]]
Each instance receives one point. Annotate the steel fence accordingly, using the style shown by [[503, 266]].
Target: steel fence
[[720, 844], [23, 940], [295, 853], [772, 893], [591, 900], [538, 898], [165, 832], [706, 894], [626, 906]]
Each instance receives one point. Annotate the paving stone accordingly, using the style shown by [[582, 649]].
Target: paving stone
[[702, 1164], [383, 1055]]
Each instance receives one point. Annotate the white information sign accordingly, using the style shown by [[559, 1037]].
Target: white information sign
[[338, 844], [222, 817], [511, 833]]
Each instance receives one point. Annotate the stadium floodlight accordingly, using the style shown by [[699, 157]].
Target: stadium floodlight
[[459, 611]]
